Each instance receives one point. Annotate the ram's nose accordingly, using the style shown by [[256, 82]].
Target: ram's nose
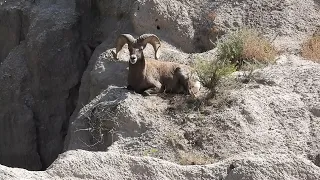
[[133, 59]]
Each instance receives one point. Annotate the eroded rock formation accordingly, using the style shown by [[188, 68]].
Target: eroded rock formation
[[51, 77]]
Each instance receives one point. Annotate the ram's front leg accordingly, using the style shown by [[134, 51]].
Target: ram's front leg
[[155, 88]]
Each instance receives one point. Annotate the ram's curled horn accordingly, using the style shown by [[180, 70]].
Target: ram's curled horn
[[121, 41], [153, 40]]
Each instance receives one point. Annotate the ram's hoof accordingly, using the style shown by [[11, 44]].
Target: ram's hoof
[[115, 56], [130, 88], [145, 93]]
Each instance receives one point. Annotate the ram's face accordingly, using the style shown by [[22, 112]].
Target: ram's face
[[136, 53]]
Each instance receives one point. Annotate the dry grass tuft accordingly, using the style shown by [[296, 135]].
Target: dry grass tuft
[[245, 46], [258, 48], [244, 50], [311, 49], [192, 158], [101, 120]]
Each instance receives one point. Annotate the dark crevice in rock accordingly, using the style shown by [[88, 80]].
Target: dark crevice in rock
[[88, 19], [88, 12], [315, 111], [72, 98], [24, 25], [87, 15], [315, 159], [38, 142], [230, 168], [71, 105]]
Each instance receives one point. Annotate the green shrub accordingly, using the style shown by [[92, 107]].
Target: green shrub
[[211, 72], [230, 48]]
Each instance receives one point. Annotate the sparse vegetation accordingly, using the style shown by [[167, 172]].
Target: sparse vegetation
[[211, 72], [101, 121], [311, 48], [212, 76], [151, 152], [245, 46], [175, 140], [243, 50], [192, 158]]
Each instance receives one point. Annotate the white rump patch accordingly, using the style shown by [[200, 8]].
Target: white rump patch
[[197, 85]]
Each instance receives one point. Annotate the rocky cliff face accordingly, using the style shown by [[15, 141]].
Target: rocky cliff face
[[42, 61], [53, 84]]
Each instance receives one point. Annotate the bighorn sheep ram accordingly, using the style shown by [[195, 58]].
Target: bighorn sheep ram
[[150, 76]]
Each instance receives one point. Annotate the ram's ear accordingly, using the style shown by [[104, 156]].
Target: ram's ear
[[153, 40], [121, 41]]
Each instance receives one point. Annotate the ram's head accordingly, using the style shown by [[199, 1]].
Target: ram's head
[[136, 46]]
